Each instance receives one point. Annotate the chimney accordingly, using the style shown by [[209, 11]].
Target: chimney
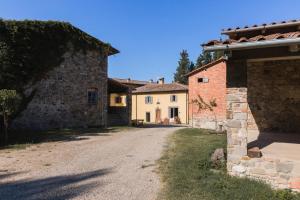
[[161, 80]]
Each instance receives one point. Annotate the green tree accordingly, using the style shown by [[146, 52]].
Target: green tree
[[217, 55], [192, 66], [203, 59], [8, 105], [182, 68]]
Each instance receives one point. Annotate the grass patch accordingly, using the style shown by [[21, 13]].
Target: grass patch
[[186, 172], [23, 139]]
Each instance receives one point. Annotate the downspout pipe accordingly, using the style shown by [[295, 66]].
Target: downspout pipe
[[253, 45]]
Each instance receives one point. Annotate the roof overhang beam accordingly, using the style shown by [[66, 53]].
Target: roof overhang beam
[[253, 45]]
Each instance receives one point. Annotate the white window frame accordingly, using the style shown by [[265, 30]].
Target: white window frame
[[203, 80], [173, 99], [148, 100]]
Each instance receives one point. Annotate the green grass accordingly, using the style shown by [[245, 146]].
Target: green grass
[[186, 172], [22, 139]]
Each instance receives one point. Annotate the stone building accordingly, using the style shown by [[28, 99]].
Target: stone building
[[72, 94], [261, 91]]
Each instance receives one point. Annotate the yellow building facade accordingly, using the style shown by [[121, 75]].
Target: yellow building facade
[[157, 105]]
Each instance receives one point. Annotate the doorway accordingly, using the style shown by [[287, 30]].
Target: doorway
[[158, 115], [173, 112], [148, 117]]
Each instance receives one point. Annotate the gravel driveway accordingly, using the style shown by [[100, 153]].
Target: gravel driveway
[[108, 166]]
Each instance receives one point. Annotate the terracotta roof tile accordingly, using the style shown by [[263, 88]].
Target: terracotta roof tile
[[265, 25], [152, 88], [274, 36], [129, 81]]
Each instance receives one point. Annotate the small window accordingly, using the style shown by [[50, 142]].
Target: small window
[[148, 100], [59, 77], [92, 96], [203, 80], [173, 98], [118, 99]]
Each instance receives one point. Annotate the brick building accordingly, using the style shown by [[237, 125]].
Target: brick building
[[209, 82], [257, 89]]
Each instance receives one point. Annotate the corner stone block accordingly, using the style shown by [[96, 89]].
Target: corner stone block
[[234, 124], [239, 169], [284, 167], [232, 98], [240, 116]]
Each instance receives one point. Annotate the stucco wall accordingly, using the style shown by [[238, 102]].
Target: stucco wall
[[214, 89], [60, 100], [140, 108], [112, 97]]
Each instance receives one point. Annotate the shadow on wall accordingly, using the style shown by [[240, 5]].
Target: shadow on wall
[[51, 188], [273, 96]]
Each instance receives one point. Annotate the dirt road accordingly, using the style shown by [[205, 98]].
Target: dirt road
[[106, 166]]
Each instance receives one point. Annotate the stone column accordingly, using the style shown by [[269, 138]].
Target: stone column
[[237, 108]]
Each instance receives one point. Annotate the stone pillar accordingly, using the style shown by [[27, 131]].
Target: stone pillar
[[237, 109]]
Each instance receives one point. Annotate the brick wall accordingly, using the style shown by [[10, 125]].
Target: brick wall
[[214, 89]]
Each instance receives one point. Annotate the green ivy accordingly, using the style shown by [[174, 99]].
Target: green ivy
[[29, 49]]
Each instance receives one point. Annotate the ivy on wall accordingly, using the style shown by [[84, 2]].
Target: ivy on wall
[[29, 49]]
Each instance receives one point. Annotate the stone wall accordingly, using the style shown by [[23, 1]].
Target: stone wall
[[269, 102], [274, 96], [237, 109], [60, 99], [279, 173]]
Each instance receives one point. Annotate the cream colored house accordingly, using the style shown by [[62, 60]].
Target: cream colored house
[[156, 103]]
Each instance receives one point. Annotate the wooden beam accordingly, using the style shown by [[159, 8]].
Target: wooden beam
[[273, 59]]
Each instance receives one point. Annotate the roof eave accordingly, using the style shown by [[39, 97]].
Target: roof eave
[[222, 59], [253, 45], [113, 51], [262, 27], [155, 92]]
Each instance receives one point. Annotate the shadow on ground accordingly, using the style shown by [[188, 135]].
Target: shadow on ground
[[267, 138], [161, 126], [52, 188], [19, 137]]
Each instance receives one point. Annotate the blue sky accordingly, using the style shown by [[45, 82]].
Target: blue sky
[[151, 33]]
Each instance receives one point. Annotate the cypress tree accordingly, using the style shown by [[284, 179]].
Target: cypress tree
[[192, 66], [182, 68]]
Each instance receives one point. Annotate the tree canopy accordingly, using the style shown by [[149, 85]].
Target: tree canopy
[[182, 68]]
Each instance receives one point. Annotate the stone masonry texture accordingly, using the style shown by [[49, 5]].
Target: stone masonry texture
[[274, 96], [252, 97], [269, 103], [60, 99]]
